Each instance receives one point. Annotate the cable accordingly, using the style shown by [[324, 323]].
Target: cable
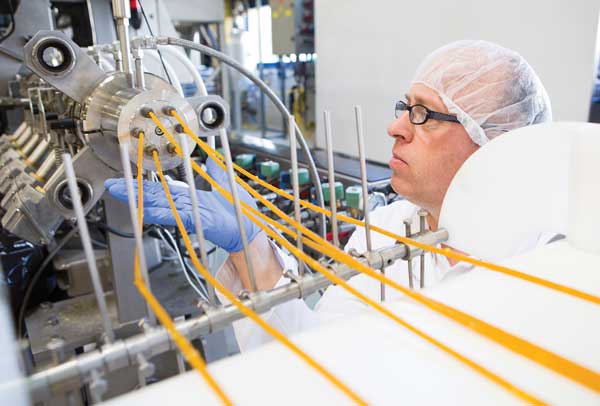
[[36, 277], [106, 227], [150, 31], [11, 30], [184, 268]]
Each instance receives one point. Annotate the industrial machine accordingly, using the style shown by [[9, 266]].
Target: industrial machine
[[107, 309], [92, 106]]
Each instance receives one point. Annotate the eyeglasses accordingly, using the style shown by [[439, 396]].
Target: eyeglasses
[[419, 114]]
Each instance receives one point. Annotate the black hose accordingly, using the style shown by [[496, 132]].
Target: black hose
[[36, 277], [106, 227]]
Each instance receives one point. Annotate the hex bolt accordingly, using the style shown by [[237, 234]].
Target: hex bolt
[[145, 112], [136, 132], [169, 110], [151, 149], [171, 149]]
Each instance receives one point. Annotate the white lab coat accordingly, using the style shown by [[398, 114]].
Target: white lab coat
[[295, 315]]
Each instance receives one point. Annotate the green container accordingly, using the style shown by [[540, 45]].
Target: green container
[[269, 169], [246, 161], [353, 194], [339, 191], [303, 176]]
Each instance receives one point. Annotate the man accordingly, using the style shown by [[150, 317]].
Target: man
[[463, 95]]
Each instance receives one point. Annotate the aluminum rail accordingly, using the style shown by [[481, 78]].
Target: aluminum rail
[[124, 353]]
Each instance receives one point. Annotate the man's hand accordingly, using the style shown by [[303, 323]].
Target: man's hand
[[218, 216]]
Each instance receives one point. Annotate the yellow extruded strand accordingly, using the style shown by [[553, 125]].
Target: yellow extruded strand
[[445, 252], [558, 364], [186, 348], [240, 306], [531, 351], [530, 399]]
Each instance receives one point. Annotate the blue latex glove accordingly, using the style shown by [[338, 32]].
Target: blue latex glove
[[218, 217]]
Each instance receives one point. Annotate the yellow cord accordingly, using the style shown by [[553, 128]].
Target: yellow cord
[[237, 303], [186, 348], [518, 345], [531, 351], [249, 212], [441, 251]]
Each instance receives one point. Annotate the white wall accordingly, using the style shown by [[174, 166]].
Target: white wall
[[368, 52]]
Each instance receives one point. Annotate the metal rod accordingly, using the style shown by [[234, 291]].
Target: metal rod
[[261, 72], [365, 190], [331, 176], [154, 341], [422, 216], [122, 14], [238, 207], [408, 235], [87, 246], [189, 176], [137, 231], [140, 79], [296, 187]]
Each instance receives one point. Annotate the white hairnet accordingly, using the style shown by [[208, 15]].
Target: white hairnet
[[491, 89]]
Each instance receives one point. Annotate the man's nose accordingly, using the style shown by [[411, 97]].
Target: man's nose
[[401, 128]]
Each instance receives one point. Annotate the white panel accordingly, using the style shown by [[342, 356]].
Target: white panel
[[368, 52]]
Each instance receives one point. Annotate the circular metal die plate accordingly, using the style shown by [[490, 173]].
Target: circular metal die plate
[[132, 119]]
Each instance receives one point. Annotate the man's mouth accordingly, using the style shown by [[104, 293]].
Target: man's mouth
[[396, 162]]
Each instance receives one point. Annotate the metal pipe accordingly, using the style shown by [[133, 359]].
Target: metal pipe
[[331, 176], [261, 72], [238, 208], [87, 246], [154, 341], [409, 259], [271, 95], [27, 148], [189, 176], [137, 230], [46, 166], [38, 152], [365, 191], [20, 141], [296, 188], [122, 14], [140, 80], [17, 132], [422, 217]]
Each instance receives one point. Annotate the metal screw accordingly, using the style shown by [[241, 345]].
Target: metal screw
[[172, 149], [52, 321], [179, 128]]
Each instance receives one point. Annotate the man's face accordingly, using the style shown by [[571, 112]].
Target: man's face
[[426, 157]]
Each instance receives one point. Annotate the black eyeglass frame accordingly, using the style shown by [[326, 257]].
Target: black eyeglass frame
[[402, 106]]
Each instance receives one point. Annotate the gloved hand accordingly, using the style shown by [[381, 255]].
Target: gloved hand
[[218, 217]]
